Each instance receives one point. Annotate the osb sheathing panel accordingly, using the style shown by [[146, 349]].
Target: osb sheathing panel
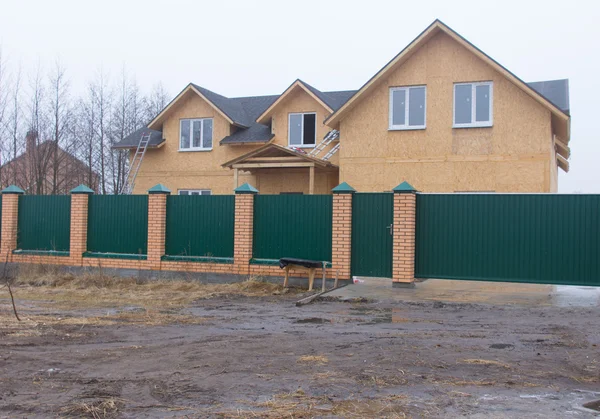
[[441, 158], [202, 169]]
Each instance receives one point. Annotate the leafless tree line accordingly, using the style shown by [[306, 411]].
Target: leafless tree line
[[61, 124]]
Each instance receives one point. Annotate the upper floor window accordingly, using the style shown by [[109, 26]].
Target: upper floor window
[[196, 134], [407, 107], [302, 130], [194, 192], [473, 104]]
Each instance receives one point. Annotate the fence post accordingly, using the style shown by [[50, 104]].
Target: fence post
[[157, 224], [403, 260], [243, 227], [10, 220], [341, 242], [79, 220]]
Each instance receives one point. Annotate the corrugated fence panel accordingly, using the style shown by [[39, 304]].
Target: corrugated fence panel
[[372, 217], [200, 225], [296, 226], [551, 239], [118, 224], [44, 222]]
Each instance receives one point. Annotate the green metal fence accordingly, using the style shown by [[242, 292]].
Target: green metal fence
[[118, 224], [296, 226], [200, 225], [44, 222], [553, 239]]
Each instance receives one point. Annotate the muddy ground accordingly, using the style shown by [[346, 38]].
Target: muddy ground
[[237, 356]]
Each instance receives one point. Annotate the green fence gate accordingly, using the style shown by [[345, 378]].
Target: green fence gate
[[44, 223], [550, 239], [118, 224], [293, 226], [372, 218], [200, 225]]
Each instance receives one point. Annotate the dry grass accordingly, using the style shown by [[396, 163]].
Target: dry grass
[[299, 405], [107, 408], [486, 362], [313, 359], [95, 290]]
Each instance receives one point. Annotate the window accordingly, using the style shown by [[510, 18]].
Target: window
[[473, 104], [302, 129], [407, 107], [194, 192], [196, 134]]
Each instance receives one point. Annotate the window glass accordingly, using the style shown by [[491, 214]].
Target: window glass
[[295, 129], [310, 128], [399, 107], [196, 133], [482, 103], [416, 106], [462, 104], [185, 134], [207, 133], [184, 192]]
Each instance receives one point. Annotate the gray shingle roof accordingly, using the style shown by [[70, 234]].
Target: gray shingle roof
[[243, 111], [556, 91], [254, 106], [133, 139]]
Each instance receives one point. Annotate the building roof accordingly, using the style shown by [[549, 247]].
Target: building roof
[[243, 111], [133, 139], [556, 91]]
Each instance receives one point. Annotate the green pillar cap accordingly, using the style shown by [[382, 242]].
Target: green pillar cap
[[12, 189], [404, 187], [343, 188], [246, 188], [82, 189], [160, 188]]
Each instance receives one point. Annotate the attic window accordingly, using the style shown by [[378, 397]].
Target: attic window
[[195, 134], [302, 130], [407, 107], [473, 105]]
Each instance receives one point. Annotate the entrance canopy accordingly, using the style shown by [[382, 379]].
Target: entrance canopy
[[273, 156]]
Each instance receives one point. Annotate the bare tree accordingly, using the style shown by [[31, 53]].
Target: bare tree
[[157, 100], [102, 97], [60, 120]]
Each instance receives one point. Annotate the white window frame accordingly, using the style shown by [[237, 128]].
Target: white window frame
[[189, 192], [191, 147], [302, 132], [474, 123], [406, 125]]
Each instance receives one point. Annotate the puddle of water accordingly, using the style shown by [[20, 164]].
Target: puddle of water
[[313, 320]]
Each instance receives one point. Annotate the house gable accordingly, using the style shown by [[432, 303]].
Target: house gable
[[561, 120], [298, 84]]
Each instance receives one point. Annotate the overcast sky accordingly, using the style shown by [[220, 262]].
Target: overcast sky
[[241, 48]]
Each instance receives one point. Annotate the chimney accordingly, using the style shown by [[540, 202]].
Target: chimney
[[30, 141]]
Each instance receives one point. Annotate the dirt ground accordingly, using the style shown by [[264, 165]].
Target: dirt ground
[[185, 350]]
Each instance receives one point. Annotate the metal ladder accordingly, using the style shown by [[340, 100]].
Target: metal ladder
[[331, 152], [135, 163], [331, 136]]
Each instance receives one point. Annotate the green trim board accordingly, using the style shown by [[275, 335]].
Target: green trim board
[[41, 253], [200, 259], [114, 256]]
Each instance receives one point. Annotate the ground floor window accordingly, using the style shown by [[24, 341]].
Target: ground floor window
[[194, 192]]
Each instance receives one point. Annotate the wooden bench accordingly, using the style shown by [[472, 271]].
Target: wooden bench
[[306, 265]]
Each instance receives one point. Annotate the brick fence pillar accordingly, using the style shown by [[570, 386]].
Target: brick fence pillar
[[243, 227], [341, 240], [405, 211], [10, 220], [79, 218], [157, 224]]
